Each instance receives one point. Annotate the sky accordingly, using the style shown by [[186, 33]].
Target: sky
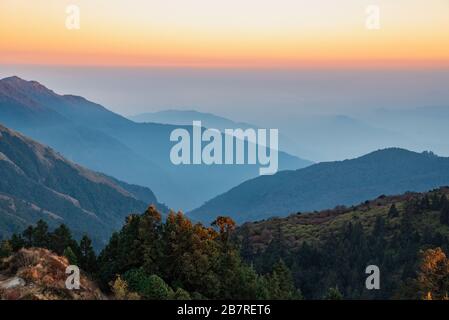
[[249, 60], [232, 33]]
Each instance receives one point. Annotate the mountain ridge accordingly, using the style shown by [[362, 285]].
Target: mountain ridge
[[329, 184], [38, 183], [101, 140]]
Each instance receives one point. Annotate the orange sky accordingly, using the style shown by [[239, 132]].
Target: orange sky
[[213, 33]]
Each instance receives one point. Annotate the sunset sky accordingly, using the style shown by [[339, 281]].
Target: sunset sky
[[203, 33]]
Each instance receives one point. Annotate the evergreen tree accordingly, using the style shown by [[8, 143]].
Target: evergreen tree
[[5, 249], [149, 235], [425, 203], [60, 239], [333, 294], [281, 285], [87, 259], [41, 237], [180, 294], [17, 242], [109, 262], [393, 212], [435, 203], [444, 213], [70, 255], [154, 288], [28, 236], [443, 201], [412, 207]]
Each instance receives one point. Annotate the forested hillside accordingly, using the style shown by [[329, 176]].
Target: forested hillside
[[38, 183], [321, 255], [328, 184], [332, 248]]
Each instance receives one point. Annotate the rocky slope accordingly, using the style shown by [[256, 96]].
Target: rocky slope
[[38, 274]]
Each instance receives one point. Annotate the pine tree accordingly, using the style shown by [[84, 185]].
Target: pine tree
[[70, 255], [108, 261], [333, 294], [154, 288], [28, 236], [180, 294], [40, 235], [149, 235], [5, 249], [60, 239], [443, 201], [87, 259], [17, 242], [444, 212], [412, 207], [435, 203], [393, 212], [425, 203], [280, 283]]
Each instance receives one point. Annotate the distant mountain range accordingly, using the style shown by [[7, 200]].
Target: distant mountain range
[[101, 140], [330, 137], [209, 120], [328, 184], [185, 117], [337, 137], [38, 183]]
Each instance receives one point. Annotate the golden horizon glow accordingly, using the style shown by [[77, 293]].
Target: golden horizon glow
[[208, 33]]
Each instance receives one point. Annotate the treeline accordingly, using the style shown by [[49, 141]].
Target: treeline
[[60, 241], [176, 258], [172, 259], [152, 258], [408, 244]]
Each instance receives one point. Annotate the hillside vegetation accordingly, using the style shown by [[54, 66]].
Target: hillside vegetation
[[332, 248], [38, 183], [321, 255]]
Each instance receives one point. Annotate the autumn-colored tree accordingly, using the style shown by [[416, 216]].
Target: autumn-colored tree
[[433, 276], [190, 254], [225, 225], [120, 290]]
